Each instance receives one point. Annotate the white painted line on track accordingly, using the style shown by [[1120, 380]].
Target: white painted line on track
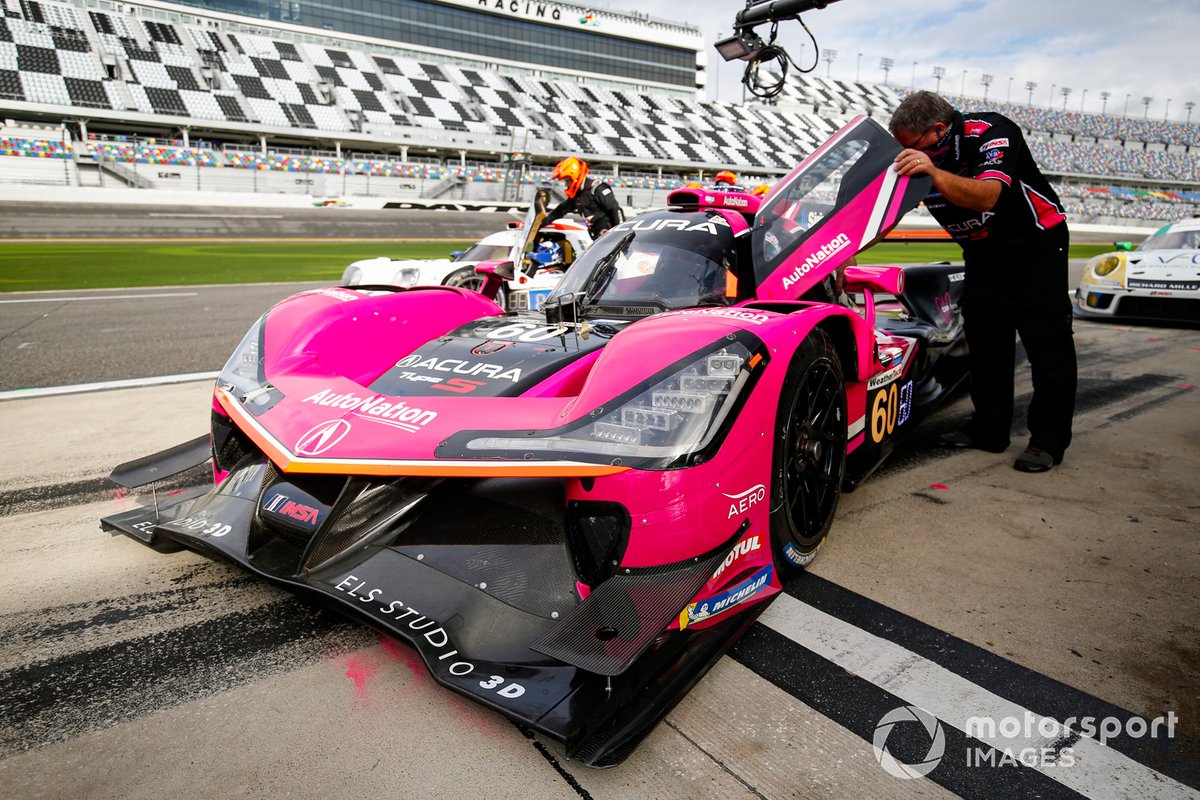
[[1098, 771], [99, 297], [220, 216], [132, 383]]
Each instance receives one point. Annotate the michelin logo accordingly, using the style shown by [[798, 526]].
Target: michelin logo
[[746, 590], [826, 251]]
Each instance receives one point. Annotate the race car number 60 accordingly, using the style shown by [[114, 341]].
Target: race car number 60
[[525, 332], [884, 410]]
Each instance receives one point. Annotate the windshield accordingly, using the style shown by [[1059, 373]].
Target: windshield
[[485, 252], [665, 259], [1172, 239]]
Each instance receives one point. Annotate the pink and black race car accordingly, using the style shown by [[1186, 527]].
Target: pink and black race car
[[572, 513]]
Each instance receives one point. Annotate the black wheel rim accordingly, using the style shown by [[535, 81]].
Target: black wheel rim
[[815, 454]]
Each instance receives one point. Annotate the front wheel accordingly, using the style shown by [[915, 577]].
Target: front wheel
[[809, 458]]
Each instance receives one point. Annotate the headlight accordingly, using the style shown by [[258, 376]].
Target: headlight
[[243, 373], [1106, 264], [406, 277], [674, 415]]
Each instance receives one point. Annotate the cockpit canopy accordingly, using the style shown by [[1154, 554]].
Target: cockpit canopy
[[660, 261]]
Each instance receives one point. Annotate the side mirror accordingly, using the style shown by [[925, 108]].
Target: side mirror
[[1123, 245]]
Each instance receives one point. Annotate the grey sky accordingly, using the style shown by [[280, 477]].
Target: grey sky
[[1141, 49]]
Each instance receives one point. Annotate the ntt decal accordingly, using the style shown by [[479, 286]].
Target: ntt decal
[[826, 251]]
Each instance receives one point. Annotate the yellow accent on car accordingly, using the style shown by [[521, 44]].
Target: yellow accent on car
[[1106, 264]]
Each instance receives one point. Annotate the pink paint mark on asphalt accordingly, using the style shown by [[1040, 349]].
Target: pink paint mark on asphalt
[[1154, 339], [1189, 386], [938, 486], [399, 652], [359, 672], [120, 493]]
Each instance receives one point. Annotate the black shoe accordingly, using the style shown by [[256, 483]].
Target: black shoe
[[963, 440], [1035, 459]]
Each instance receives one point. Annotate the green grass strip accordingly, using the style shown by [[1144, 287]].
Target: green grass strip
[[78, 265]]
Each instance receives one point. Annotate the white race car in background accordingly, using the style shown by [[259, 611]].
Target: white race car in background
[[571, 239], [1160, 280]]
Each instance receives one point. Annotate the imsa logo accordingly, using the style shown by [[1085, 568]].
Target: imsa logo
[[292, 507]]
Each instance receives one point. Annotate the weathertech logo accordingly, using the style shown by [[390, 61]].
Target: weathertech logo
[[827, 251]]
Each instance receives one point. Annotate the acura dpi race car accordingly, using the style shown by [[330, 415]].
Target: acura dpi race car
[[572, 513], [1160, 280], [548, 251]]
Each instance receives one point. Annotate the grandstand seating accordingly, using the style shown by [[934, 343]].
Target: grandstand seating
[[59, 56]]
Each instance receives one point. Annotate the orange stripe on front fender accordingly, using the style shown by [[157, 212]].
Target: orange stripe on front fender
[[288, 462]]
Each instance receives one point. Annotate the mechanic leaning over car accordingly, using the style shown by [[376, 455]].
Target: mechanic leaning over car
[[994, 202], [590, 198]]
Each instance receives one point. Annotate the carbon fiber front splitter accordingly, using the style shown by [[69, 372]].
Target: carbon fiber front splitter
[[475, 637]]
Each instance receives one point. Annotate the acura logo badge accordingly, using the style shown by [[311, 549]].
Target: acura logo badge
[[322, 437]]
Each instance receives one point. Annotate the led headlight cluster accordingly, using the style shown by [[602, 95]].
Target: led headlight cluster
[[674, 416]]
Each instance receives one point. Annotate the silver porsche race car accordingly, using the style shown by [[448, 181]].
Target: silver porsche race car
[[1159, 280]]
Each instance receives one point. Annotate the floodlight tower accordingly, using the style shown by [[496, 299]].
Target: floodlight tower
[[1104, 101], [986, 80], [886, 65], [829, 56], [1189, 105], [1066, 92], [1029, 87], [938, 74], [1146, 101]]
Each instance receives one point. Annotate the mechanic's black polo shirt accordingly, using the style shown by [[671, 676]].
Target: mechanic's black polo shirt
[[1014, 249]]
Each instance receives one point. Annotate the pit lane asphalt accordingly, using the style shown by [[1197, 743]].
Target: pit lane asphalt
[[950, 582]]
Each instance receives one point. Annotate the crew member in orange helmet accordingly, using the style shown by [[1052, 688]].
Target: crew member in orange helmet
[[590, 198], [726, 177]]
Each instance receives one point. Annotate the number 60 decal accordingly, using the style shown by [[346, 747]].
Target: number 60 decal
[[885, 408]]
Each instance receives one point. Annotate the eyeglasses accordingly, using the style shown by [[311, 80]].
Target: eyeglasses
[[937, 138]]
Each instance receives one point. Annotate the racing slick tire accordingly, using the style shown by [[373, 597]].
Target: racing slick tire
[[809, 459], [468, 278]]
